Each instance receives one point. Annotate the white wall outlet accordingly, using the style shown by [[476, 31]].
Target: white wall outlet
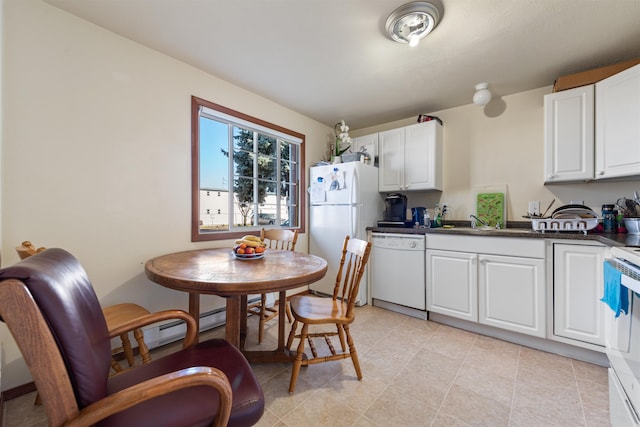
[[534, 208]]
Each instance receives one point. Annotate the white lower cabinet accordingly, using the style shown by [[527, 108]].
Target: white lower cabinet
[[578, 313], [495, 281], [511, 293], [452, 288]]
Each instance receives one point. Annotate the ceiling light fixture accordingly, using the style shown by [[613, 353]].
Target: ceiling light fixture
[[412, 22], [482, 95]]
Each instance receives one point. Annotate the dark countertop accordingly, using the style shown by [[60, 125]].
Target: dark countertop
[[518, 229]]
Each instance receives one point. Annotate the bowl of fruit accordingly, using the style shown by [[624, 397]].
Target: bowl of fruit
[[249, 248]]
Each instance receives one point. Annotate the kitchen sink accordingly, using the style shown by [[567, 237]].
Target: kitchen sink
[[487, 230], [490, 230]]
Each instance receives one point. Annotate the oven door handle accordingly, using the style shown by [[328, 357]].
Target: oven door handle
[[630, 273]]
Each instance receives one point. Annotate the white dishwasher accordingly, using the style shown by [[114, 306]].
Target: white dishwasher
[[397, 270]]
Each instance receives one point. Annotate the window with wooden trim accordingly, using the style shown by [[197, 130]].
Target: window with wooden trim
[[246, 173]]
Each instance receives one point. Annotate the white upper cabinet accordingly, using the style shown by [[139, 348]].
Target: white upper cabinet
[[593, 132], [391, 160], [618, 125], [568, 135], [410, 158]]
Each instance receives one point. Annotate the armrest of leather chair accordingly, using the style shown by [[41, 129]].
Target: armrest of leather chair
[[160, 316], [196, 376]]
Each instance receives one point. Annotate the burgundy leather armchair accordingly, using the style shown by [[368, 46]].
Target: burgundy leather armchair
[[53, 313]]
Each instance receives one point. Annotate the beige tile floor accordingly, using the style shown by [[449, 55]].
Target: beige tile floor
[[417, 373]]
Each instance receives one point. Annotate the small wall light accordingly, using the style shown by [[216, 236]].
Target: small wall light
[[482, 95]]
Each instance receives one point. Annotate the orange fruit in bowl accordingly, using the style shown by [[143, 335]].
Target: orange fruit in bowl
[[260, 249], [240, 251]]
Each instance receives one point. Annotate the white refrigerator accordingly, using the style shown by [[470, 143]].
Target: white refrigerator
[[344, 200]]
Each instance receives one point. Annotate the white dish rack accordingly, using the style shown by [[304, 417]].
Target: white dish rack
[[564, 224]]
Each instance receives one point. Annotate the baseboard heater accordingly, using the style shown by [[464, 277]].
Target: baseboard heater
[[157, 336]]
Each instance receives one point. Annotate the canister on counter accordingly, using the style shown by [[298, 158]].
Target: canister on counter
[[608, 219]]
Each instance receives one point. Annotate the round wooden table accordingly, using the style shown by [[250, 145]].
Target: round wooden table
[[218, 272]]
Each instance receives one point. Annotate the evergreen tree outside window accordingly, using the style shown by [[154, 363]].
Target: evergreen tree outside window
[[256, 167]]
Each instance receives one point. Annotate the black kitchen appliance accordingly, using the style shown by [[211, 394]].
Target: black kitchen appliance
[[395, 212]]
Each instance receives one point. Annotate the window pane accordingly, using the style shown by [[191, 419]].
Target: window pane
[[267, 215], [267, 158], [243, 203], [267, 168], [242, 139], [214, 155], [214, 211], [242, 152], [290, 205], [214, 175], [267, 145]]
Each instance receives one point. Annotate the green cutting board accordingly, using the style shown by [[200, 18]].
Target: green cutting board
[[490, 208]]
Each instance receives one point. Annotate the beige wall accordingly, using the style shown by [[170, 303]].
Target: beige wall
[[502, 144], [96, 153]]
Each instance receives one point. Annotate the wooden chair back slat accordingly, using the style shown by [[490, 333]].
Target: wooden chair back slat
[[277, 238], [355, 254]]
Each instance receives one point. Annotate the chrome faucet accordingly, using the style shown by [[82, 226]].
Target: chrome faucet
[[475, 219]]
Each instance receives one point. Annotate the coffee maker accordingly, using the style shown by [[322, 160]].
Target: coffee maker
[[395, 212]]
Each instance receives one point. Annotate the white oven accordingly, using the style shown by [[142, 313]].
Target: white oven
[[623, 341]]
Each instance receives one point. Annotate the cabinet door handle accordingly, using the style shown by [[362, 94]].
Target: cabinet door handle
[[600, 173]]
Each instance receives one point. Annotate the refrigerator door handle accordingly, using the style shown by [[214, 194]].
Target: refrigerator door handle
[[353, 190], [352, 212], [353, 221]]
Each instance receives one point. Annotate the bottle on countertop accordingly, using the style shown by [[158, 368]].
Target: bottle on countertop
[[620, 228], [437, 216], [427, 218]]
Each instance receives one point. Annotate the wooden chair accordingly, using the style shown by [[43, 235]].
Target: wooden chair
[[274, 239], [53, 313], [338, 310], [116, 316], [26, 249]]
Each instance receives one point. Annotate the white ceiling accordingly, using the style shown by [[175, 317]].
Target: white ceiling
[[330, 60]]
